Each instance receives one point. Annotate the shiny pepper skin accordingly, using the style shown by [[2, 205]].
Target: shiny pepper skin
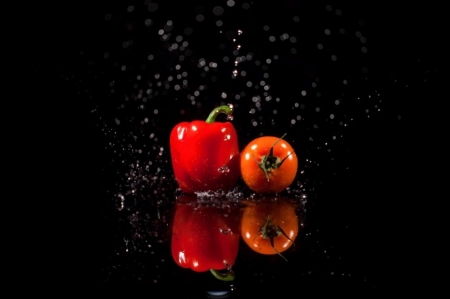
[[205, 236], [205, 154]]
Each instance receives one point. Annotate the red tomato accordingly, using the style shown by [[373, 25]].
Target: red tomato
[[268, 164], [269, 227]]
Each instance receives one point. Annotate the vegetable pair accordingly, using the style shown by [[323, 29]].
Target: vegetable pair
[[206, 234], [205, 157]]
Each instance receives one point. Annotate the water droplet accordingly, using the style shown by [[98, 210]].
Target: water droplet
[[225, 231], [223, 169], [230, 117]]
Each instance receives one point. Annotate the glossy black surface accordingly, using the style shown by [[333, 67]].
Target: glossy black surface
[[368, 190]]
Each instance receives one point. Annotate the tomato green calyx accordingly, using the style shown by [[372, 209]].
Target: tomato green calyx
[[226, 109], [271, 231], [269, 162], [228, 276]]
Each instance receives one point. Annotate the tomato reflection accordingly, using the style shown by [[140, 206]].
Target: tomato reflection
[[269, 225]]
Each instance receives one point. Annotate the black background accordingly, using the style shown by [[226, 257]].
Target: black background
[[377, 221]]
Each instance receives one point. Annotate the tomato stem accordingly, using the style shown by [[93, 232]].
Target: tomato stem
[[226, 109], [271, 231], [273, 145], [269, 162], [228, 276]]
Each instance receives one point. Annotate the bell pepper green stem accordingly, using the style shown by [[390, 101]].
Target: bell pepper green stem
[[226, 109], [228, 276]]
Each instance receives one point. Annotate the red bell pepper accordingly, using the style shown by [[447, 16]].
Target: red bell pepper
[[205, 154], [205, 236]]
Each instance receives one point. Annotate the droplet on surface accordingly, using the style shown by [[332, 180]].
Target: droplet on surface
[[225, 231], [223, 169]]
